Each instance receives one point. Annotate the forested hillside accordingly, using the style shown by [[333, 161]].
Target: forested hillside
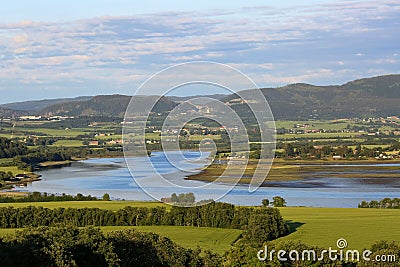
[[377, 96]]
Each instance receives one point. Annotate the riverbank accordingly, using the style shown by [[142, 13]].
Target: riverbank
[[20, 182], [295, 170], [48, 164]]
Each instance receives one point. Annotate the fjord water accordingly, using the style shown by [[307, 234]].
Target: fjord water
[[111, 175]]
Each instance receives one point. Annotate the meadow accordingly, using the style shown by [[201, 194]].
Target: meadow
[[68, 143], [324, 226], [13, 169], [215, 239]]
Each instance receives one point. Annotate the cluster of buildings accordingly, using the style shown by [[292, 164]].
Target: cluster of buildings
[[39, 118]]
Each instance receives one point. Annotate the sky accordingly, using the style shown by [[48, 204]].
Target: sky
[[52, 49]]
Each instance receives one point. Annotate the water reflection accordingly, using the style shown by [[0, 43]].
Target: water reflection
[[110, 175]]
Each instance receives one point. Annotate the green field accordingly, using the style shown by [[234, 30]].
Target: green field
[[370, 146], [201, 137], [315, 135], [360, 227], [6, 135], [68, 143], [110, 205], [54, 132], [215, 239], [6, 160], [107, 137], [13, 169], [320, 124]]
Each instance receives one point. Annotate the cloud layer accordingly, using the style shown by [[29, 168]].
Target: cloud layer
[[321, 44]]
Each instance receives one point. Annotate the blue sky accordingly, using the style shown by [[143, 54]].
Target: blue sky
[[51, 49]]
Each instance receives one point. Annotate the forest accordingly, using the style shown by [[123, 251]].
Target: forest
[[217, 215], [72, 246], [57, 240]]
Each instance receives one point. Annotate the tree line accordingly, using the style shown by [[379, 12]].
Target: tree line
[[6, 175], [310, 149], [243, 255], [10, 149], [71, 246], [386, 203], [45, 197], [257, 223], [30, 160], [88, 246]]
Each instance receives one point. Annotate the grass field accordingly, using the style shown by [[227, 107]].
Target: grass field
[[360, 227], [13, 169], [315, 135], [5, 160], [6, 135], [55, 132], [215, 239], [370, 146], [107, 137], [201, 137], [110, 205], [321, 124], [68, 143]]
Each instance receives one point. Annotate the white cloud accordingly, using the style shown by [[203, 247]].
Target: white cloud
[[301, 44]]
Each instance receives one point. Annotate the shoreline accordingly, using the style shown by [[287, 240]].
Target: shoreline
[[290, 171], [281, 170]]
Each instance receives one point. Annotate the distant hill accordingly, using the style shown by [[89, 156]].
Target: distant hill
[[387, 86], [104, 105], [36, 105], [7, 113], [185, 98], [378, 96]]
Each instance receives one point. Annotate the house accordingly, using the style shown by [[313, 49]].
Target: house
[[114, 142], [336, 157], [30, 118], [93, 143]]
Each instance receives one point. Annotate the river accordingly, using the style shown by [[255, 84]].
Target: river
[[111, 175]]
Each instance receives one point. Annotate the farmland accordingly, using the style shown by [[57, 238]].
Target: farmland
[[214, 239], [217, 240], [324, 226]]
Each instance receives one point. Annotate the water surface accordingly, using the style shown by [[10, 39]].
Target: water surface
[[111, 175]]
